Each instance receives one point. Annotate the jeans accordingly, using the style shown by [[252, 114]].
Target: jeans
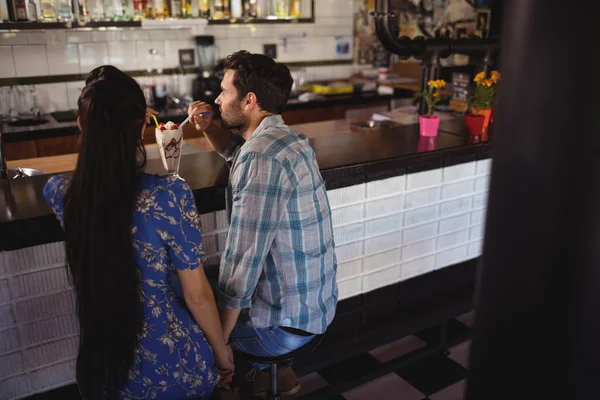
[[266, 342]]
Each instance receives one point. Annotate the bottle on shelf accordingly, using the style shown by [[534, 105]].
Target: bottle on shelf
[[96, 10], [227, 8], [20, 10], [32, 12], [282, 8], [250, 8], [264, 8], [123, 10], [295, 8], [138, 10], [148, 9], [203, 9], [47, 11], [236, 9], [81, 11], [218, 9], [175, 8], [187, 9], [160, 9], [64, 11]]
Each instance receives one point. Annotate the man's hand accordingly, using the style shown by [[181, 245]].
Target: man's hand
[[202, 114]]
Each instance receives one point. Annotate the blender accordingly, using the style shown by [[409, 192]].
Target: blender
[[207, 86]]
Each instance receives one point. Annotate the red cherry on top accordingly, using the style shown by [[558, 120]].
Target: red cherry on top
[[175, 126]]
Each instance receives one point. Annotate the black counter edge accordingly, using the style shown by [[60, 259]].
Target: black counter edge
[[46, 229]]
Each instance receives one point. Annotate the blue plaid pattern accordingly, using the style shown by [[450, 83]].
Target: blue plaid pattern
[[279, 261]]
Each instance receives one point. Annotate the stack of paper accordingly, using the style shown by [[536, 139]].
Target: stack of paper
[[407, 115]]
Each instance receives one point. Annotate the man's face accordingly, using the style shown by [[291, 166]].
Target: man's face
[[230, 106]]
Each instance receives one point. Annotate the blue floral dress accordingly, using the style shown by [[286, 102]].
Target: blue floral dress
[[173, 359]]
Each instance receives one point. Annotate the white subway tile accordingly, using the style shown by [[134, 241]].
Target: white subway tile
[[424, 178], [324, 8], [135, 35], [384, 224], [349, 288], [241, 31], [326, 21], [383, 242], [39, 282], [52, 97], [480, 200], [221, 217], [30, 60], [457, 206], [459, 171], [209, 222], [418, 249], [37, 38], [92, 55], [7, 66], [416, 267], [253, 45], [344, 8], [348, 233], [384, 206], [52, 375], [482, 184], [56, 37], [422, 197], [346, 195], [63, 60], [379, 279], [324, 30], [478, 217], [477, 232], [386, 186], [343, 30], [11, 364], [228, 46], [163, 34], [7, 318], [349, 269], [13, 38], [172, 48], [457, 189], [345, 215], [452, 239], [451, 256], [123, 55], [348, 251], [484, 166], [45, 306], [14, 387], [51, 352], [420, 215], [380, 260], [475, 249], [420, 232], [79, 37], [53, 328], [106, 36], [185, 34], [9, 340], [4, 292], [454, 223], [145, 59], [342, 21], [73, 92], [221, 241], [322, 73]]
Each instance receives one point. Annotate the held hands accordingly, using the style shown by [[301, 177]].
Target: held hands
[[202, 114], [225, 366]]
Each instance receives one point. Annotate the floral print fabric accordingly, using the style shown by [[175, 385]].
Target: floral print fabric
[[173, 359]]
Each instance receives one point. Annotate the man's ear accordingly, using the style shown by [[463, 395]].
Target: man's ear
[[250, 101]]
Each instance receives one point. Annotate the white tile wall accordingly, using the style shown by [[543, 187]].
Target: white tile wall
[[7, 66], [30, 60], [63, 59]]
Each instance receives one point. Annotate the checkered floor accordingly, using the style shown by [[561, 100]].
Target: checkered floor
[[438, 375]]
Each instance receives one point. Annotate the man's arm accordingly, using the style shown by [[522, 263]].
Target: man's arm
[[260, 199]]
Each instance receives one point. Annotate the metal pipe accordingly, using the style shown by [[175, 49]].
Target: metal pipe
[[3, 168]]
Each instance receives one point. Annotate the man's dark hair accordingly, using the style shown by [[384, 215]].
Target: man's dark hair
[[270, 81]]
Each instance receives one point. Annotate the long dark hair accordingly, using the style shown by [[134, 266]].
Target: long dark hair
[[98, 210]]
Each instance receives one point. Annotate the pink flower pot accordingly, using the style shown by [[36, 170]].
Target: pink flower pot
[[429, 125], [427, 144]]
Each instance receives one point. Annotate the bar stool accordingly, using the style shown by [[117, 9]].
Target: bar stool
[[275, 362]]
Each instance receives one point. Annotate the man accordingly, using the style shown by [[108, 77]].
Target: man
[[277, 280]]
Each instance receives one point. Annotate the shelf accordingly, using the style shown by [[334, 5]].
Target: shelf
[[149, 23], [67, 25]]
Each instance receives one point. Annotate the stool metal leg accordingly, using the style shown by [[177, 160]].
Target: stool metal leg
[[274, 392]]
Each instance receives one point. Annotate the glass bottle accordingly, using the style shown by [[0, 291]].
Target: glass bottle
[[47, 11], [236, 9], [96, 10], [250, 8], [264, 9], [218, 9], [227, 8], [282, 8], [138, 10], [31, 11], [123, 10], [64, 11], [296, 9], [159, 9], [148, 9], [203, 9], [186, 8], [175, 8]]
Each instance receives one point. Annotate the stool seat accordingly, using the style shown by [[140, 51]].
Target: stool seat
[[275, 361]]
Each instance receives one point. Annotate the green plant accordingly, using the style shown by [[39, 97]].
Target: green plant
[[432, 94], [484, 95]]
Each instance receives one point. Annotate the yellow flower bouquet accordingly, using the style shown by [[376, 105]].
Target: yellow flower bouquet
[[430, 123], [484, 95]]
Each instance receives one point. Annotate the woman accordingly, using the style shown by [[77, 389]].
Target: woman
[[127, 234]]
